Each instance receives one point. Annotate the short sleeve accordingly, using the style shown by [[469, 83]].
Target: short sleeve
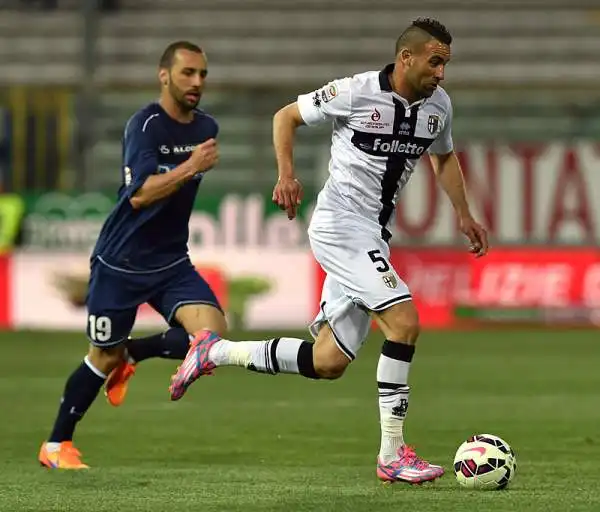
[[327, 103], [443, 143], [140, 152]]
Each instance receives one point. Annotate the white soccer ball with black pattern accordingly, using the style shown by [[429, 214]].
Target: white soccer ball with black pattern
[[485, 461]]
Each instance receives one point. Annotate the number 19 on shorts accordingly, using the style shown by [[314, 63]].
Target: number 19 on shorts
[[99, 328]]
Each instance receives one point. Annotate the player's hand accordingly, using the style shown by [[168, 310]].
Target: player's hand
[[206, 155], [288, 194], [476, 234]]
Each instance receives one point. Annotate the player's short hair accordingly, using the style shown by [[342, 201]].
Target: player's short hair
[[168, 56], [421, 31]]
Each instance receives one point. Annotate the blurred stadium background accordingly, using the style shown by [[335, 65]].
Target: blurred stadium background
[[524, 82]]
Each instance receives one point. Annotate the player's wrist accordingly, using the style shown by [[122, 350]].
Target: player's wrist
[[286, 174], [190, 169], [464, 213]]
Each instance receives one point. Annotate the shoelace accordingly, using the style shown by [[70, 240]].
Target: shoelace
[[410, 458]]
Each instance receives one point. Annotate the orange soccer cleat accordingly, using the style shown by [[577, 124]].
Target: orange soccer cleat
[[117, 382], [66, 457]]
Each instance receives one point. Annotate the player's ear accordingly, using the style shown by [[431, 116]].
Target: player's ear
[[405, 56], [163, 76]]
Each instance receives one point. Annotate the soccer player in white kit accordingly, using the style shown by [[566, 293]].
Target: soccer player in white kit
[[383, 122]]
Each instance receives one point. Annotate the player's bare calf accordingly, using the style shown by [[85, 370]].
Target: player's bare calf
[[329, 361]]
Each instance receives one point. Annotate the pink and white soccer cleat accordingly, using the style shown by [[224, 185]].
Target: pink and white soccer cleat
[[195, 364], [408, 468]]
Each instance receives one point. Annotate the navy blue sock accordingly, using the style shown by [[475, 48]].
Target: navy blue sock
[[172, 344], [80, 391]]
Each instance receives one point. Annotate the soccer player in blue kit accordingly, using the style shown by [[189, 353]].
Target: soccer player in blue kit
[[141, 255]]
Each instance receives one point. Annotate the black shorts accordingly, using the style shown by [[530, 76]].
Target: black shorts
[[114, 296]]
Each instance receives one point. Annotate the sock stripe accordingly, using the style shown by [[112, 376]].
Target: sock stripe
[[398, 351], [267, 358], [385, 394], [390, 385], [306, 366], [274, 362]]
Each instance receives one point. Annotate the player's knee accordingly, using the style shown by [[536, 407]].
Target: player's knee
[[329, 364], [106, 359], [401, 323], [196, 317], [330, 370], [406, 329]]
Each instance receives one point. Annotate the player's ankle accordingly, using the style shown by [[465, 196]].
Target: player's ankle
[[52, 446]]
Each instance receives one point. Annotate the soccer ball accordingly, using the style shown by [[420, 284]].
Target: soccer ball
[[484, 461]]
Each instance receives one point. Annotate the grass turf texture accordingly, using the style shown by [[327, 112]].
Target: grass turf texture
[[247, 442]]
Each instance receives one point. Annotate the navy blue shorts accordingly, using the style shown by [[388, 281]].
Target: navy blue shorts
[[114, 296]]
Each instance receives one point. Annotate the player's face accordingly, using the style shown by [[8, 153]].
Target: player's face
[[425, 68], [186, 78]]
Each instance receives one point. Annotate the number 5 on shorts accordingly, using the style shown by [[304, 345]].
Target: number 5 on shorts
[[100, 328], [379, 260]]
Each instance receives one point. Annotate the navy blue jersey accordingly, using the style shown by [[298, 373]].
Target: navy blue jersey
[[155, 236]]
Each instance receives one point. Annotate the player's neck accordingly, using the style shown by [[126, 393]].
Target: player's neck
[[402, 88], [175, 111]]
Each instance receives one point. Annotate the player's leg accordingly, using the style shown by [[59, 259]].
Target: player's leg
[[189, 305], [170, 344], [396, 461], [400, 326], [79, 393], [174, 293], [361, 267], [322, 359], [107, 329], [339, 331], [382, 291], [198, 317], [175, 341]]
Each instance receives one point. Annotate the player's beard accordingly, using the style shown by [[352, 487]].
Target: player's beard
[[179, 96], [427, 91], [422, 87]]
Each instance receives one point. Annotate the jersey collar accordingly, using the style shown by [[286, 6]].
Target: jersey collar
[[386, 86]]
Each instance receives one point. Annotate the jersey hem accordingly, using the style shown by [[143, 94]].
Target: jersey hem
[[127, 271]]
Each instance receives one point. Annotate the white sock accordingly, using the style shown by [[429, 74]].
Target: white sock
[[52, 447], [393, 404], [392, 377], [279, 355]]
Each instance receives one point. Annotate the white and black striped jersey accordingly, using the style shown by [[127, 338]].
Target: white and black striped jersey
[[376, 142]]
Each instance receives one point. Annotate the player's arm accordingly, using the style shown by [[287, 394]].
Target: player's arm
[[144, 185], [327, 103], [287, 193], [285, 123], [159, 186], [450, 177]]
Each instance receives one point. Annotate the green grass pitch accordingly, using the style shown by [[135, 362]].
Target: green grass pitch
[[247, 442]]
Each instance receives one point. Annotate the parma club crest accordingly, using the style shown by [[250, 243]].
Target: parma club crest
[[433, 124], [390, 280]]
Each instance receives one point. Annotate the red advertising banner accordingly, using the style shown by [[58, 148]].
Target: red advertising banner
[[541, 194], [5, 322], [442, 279]]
